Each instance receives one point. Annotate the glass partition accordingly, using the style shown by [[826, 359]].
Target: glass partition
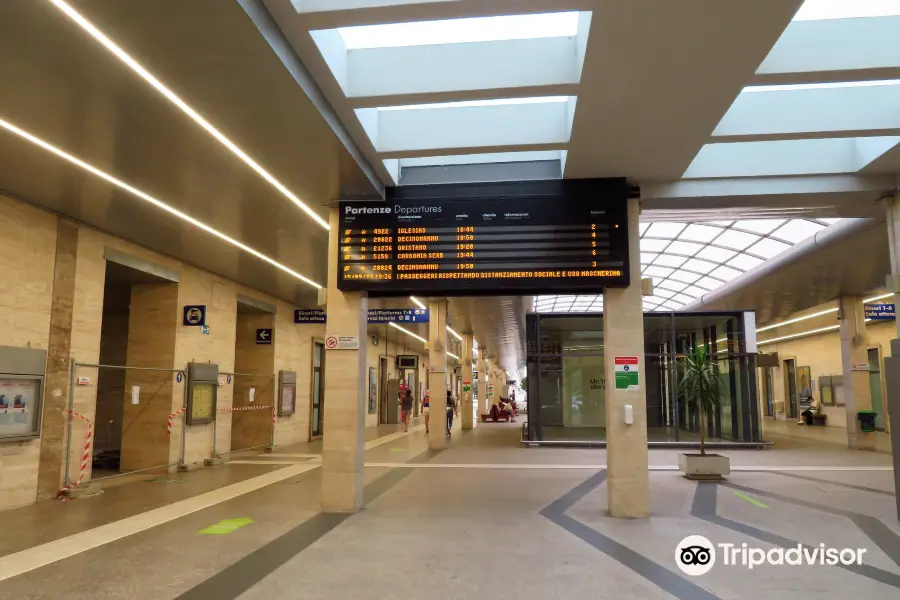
[[567, 398]]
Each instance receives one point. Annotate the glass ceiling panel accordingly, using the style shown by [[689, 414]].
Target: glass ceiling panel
[[461, 31], [818, 10], [722, 251], [470, 103]]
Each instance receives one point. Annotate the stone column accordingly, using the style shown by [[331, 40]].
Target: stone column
[[482, 382], [893, 226], [855, 360], [628, 483], [467, 411], [344, 391], [57, 381], [437, 374]]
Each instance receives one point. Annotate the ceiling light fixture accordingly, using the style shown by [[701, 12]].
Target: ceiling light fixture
[[417, 302], [451, 355], [183, 106], [454, 334], [797, 320], [408, 332], [798, 335], [148, 198], [877, 298]]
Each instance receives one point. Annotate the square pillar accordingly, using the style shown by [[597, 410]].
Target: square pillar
[[344, 391], [481, 366], [437, 374], [466, 408], [855, 361], [627, 483]]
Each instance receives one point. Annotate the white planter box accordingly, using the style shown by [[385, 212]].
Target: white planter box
[[709, 466]]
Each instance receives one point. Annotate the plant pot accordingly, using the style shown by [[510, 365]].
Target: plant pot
[[707, 467]]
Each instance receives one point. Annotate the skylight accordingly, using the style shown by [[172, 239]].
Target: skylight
[[682, 271], [821, 86], [818, 10], [461, 31], [470, 103]]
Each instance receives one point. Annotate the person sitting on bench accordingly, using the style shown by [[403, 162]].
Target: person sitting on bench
[[507, 409], [806, 417]]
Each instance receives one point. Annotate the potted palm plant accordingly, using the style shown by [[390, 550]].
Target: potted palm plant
[[701, 387]]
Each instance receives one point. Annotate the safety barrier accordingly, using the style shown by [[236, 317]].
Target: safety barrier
[[243, 414], [154, 393]]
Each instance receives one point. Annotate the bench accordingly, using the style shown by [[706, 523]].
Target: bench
[[819, 420], [496, 416]]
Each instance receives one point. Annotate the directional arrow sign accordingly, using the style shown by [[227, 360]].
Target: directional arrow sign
[[263, 336]]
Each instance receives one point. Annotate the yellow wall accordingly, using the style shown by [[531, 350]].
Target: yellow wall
[[822, 354], [27, 250]]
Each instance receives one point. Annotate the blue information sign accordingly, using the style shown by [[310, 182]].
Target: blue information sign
[[313, 315], [880, 312], [398, 315], [376, 315]]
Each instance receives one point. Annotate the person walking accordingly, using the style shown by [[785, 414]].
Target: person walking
[[406, 406], [426, 408], [451, 410]]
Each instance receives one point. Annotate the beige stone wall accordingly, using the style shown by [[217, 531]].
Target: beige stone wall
[[27, 251], [253, 428], [822, 353], [293, 352]]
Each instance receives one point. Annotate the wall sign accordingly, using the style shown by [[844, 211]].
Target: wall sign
[[304, 316], [860, 367], [567, 235], [342, 342], [264, 337], [194, 315], [627, 373], [312, 315], [398, 315], [880, 312]]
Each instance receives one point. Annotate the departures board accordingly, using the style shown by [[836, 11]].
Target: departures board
[[519, 244]]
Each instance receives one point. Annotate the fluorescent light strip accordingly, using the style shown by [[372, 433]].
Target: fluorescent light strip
[[148, 198], [797, 320], [408, 332], [183, 106], [417, 302], [798, 335], [450, 354], [454, 334], [818, 314], [877, 298]]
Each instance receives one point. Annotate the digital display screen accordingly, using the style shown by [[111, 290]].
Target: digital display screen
[[553, 243]]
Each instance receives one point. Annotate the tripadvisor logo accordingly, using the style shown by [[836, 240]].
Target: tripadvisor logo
[[695, 555]]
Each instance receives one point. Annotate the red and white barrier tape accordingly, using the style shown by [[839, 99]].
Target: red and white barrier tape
[[86, 453], [172, 419], [242, 408]]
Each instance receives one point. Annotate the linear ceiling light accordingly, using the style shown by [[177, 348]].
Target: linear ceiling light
[[417, 302], [451, 355], [408, 332], [877, 298], [183, 106], [797, 335], [797, 320], [148, 198], [454, 334]]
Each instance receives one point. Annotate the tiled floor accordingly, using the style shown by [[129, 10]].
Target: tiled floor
[[443, 526]]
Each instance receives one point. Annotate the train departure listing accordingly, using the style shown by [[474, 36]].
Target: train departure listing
[[521, 245]]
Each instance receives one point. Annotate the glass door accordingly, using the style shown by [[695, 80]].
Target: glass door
[[791, 374], [770, 392], [317, 420]]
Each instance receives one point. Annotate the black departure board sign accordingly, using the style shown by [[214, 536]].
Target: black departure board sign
[[424, 243]]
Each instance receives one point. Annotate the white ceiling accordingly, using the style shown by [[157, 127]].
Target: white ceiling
[[772, 109]]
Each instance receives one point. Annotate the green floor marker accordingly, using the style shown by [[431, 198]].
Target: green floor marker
[[752, 501], [225, 527]]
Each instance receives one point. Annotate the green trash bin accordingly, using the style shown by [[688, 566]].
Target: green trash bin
[[866, 420]]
